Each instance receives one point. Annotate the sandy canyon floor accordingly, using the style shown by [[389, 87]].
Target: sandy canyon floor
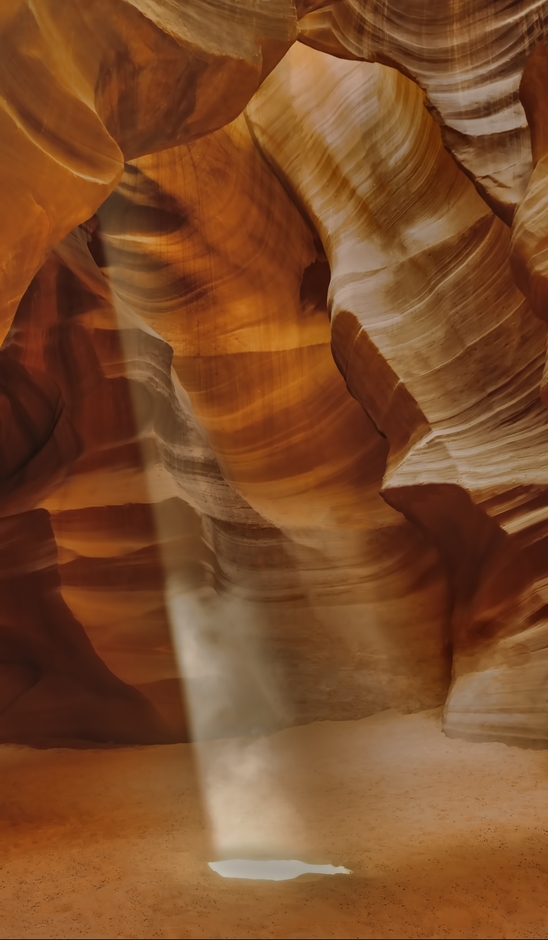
[[444, 838]]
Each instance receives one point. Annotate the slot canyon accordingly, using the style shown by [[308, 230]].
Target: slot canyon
[[273, 468]]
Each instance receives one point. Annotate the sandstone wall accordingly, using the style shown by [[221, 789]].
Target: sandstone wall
[[272, 376]]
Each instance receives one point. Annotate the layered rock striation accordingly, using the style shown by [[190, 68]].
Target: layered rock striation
[[271, 410], [434, 340], [84, 87], [468, 58]]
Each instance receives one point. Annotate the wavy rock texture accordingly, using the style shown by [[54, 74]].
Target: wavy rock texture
[[83, 86], [200, 474], [530, 231], [297, 573], [64, 412], [468, 57], [442, 351], [203, 244]]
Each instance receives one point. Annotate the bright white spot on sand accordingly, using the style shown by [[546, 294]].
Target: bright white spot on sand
[[275, 870]]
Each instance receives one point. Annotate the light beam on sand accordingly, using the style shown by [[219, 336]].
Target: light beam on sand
[[233, 696], [273, 870], [232, 702]]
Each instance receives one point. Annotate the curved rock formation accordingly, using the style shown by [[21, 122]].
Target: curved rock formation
[[202, 475], [74, 417], [468, 57], [85, 86], [203, 243], [299, 587], [437, 344], [530, 231], [82, 88]]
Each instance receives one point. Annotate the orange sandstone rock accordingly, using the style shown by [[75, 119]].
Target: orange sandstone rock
[[270, 410], [437, 344], [84, 86], [468, 57]]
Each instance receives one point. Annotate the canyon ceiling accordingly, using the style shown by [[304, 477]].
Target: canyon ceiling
[[273, 304]]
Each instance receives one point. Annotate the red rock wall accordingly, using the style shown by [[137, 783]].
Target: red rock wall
[[271, 416]]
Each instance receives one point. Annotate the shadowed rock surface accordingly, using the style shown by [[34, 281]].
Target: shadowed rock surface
[[273, 444]]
